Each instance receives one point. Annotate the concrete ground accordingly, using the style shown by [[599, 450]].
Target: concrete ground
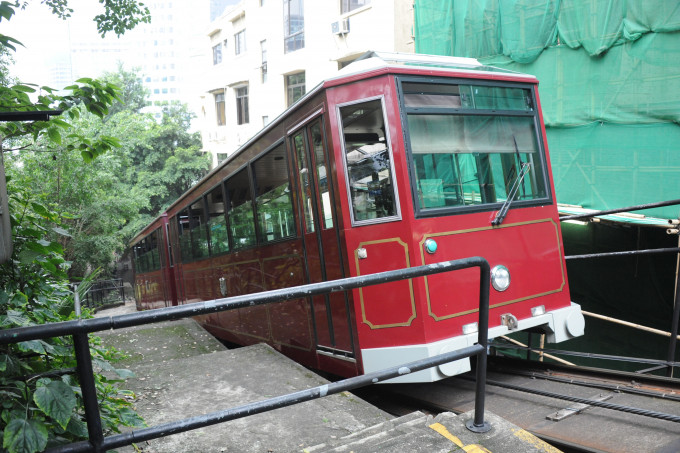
[[182, 371]]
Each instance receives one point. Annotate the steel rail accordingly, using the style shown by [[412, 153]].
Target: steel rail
[[574, 399], [597, 385], [625, 253], [640, 207], [589, 355]]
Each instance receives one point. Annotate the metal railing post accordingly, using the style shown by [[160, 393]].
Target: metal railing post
[[89, 391], [478, 425]]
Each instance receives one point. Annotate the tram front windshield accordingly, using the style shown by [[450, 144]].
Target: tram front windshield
[[469, 143]]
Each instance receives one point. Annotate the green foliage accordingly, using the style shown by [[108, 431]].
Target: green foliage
[[40, 407], [40, 399]]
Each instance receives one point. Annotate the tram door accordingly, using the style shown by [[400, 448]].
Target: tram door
[[323, 258]]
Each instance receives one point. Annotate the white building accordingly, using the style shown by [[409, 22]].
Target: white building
[[267, 53]]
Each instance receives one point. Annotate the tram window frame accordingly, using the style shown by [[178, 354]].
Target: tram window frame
[[232, 185], [184, 236], [393, 183], [318, 150], [466, 107], [213, 212], [267, 235], [304, 180], [200, 242]]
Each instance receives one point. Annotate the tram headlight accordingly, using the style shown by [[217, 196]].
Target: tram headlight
[[500, 278]]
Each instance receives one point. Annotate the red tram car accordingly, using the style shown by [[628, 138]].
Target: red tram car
[[398, 161]]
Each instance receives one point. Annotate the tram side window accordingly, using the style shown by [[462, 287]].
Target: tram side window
[[199, 232], [217, 222], [184, 234], [272, 196], [147, 255], [368, 161], [241, 219], [305, 180], [322, 175]]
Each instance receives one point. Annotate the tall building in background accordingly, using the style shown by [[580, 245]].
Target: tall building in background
[[266, 54], [169, 51]]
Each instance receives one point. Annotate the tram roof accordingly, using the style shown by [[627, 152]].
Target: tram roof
[[396, 61]]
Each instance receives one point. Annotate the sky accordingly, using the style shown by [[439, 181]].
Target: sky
[[45, 36]]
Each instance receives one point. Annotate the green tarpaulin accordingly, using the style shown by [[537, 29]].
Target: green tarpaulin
[[609, 73]]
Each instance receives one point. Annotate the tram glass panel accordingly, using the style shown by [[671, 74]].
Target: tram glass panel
[[272, 196], [217, 222], [469, 143], [305, 180], [368, 161], [321, 174], [199, 233], [184, 235], [241, 219]]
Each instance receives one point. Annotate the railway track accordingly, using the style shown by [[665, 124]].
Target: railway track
[[576, 409]]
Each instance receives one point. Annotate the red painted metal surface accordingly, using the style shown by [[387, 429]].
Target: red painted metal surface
[[329, 333]]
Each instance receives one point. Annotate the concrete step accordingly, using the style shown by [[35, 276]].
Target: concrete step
[[444, 433], [407, 423]]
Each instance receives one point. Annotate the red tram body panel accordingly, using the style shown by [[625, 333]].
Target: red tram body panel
[[398, 162]]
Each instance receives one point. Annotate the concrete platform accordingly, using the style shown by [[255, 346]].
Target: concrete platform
[[182, 371]]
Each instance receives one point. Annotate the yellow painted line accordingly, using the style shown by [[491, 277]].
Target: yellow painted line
[[535, 441], [441, 429]]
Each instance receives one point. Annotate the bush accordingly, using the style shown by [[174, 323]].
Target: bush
[[41, 402]]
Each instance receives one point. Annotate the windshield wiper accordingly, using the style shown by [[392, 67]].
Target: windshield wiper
[[500, 215]]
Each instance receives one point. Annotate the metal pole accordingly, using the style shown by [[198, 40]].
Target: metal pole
[[616, 211], [673, 341], [89, 391], [76, 300], [478, 425]]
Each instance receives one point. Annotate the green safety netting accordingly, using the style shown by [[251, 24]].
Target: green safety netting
[[609, 73]]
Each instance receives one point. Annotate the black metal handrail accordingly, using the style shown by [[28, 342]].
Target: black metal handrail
[[100, 292], [80, 328]]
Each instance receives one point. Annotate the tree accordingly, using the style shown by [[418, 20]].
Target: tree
[[38, 410], [133, 94]]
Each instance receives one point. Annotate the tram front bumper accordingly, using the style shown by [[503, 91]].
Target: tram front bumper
[[559, 325]]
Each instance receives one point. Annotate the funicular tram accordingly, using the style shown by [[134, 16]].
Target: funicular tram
[[399, 160]]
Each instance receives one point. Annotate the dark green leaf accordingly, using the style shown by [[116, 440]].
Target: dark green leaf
[[37, 346], [25, 436], [54, 135], [17, 318], [128, 417], [41, 210], [77, 427], [27, 256], [57, 400], [24, 88], [61, 231]]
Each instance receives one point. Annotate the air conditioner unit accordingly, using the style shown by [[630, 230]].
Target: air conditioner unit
[[340, 27]]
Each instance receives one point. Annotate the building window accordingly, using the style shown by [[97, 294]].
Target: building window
[[242, 105], [349, 5], [263, 68], [219, 109], [293, 25], [295, 87], [217, 54], [240, 42]]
